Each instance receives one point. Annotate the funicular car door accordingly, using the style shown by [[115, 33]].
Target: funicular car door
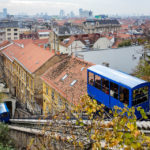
[[105, 92], [98, 88], [119, 95]]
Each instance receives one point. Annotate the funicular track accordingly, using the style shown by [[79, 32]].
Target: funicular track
[[64, 129], [39, 122], [61, 125]]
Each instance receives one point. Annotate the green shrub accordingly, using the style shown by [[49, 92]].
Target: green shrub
[[5, 140], [125, 43], [2, 147]]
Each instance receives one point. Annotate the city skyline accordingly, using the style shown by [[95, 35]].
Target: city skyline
[[52, 7]]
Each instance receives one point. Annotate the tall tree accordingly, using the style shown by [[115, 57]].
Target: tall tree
[[143, 68]]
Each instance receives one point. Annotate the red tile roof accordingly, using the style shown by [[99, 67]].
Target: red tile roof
[[61, 22], [30, 56], [73, 68], [82, 37], [117, 42], [11, 51], [109, 37], [124, 36], [127, 21], [4, 43], [125, 26], [91, 37], [23, 41], [73, 21], [41, 41], [79, 21]]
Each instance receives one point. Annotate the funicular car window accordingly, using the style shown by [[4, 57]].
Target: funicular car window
[[91, 78], [114, 90], [140, 95], [97, 82], [105, 86], [5, 115], [124, 95]]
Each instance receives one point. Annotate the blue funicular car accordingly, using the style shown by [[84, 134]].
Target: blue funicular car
[[114, 88], [4, 113]]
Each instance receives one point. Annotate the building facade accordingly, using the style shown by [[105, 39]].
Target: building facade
[[9, 30], [44, 34], [24, 62], [100, 26]]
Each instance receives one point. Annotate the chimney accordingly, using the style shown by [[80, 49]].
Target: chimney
[[47, 48], [41, 46], [58, 52], [22, 45], [53, 51]]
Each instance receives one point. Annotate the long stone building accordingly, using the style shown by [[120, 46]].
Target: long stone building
[[100, 26], [23, 62]]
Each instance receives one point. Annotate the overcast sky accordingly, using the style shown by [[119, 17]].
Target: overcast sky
[[52, 7]]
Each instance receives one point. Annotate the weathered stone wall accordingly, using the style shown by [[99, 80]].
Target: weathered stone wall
[[22, 138]]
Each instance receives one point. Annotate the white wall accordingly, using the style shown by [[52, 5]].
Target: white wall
[[43, 35], [75, 46], [103, 43], [63, 49], [23, 30]]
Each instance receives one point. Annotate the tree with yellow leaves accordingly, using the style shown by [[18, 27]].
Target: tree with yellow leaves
[[96, 132]]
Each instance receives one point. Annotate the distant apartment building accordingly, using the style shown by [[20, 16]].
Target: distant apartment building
[[24, 30], [85, 13], [9, 30], [43, 34], [78, 43], [4, 12], [26, 33], [101, 25], [62, 32], [62, 13]]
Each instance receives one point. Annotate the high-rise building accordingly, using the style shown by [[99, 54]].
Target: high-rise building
[[90, 13], [72, 14], [80, 12], [62, 13], [5, 12]]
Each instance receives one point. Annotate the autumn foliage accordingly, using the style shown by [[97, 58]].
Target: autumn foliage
[[115, 128]]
